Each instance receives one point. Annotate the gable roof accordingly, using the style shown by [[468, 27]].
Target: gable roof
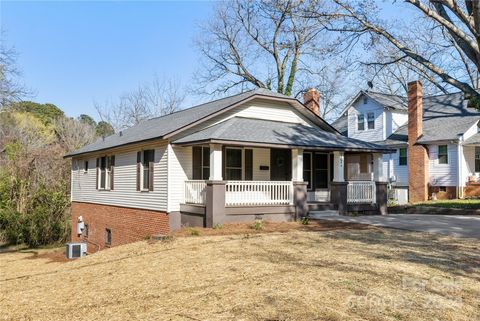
[[265, 133], [445, 117], [388, 101], [162, 127]]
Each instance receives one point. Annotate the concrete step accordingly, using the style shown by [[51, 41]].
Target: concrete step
[[319, 214], [320, 206]]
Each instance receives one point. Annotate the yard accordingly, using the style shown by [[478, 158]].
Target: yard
[[455, 203], [327, 271]]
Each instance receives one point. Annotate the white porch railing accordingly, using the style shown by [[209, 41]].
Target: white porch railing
[[258, 193], [195, 192], [361, 192]]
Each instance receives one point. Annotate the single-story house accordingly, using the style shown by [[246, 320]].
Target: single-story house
[[250, 156]]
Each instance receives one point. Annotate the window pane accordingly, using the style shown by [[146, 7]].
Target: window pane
[[234, 158], [103, 162], [321, 161], [361, 122], [205, 173], [443, 154], [402, 160], [206, 156], [234, 173], [248, 164], [197, 162], [307, 161], [321, 178], [146, 177], [307, 177], [371, 120], [147, 156]]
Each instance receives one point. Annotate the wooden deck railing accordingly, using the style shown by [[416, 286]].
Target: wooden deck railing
[[195, 192], [250, 193], [361, 192]]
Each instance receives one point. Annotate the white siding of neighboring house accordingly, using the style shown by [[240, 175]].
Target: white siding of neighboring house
[[370, 135], [443, 174], [398, 119], [467, 157], [391, 166], [124, 192]]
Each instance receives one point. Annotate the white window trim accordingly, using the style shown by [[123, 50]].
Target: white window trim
[[370, 112], [107, 175], [438, 156], [142, 168]]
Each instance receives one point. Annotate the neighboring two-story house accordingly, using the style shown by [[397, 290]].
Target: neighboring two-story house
[[436, 141], [256, 155]]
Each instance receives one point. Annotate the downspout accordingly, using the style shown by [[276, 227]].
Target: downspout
[[460, 167]]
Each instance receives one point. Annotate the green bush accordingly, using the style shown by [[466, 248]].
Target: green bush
[[305, 220], [258, 225], [45, 221]]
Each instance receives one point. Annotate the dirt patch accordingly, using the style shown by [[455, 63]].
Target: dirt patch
[[269, 227], [54, 255]]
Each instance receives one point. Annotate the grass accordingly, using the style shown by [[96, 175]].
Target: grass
[[284, 272], [457, 203]]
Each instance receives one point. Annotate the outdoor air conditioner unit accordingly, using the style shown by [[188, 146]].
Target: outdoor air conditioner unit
[[75, 250]]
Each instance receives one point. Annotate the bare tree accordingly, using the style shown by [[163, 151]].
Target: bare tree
[[157, 98], [264, 43], [11, 87], [443, 45], [73, 134]]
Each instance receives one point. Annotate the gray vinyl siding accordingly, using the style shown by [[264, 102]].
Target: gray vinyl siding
[[180, 170], [443, 174], [124, 192], [369, 135]]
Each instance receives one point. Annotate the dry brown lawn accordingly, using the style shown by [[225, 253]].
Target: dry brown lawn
[[321, 272]]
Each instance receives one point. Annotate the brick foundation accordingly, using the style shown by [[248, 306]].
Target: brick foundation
[[472, 189], [450, 193], [127, 224]]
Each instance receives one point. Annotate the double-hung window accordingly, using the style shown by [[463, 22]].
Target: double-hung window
[[443, 154], [233, 164], [105, 168], [145, 170], [371, 120], [201, 162], [361, 122], [402, 156]]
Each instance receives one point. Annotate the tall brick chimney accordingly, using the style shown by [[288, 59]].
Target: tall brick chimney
[[311, 99], [418, 176]]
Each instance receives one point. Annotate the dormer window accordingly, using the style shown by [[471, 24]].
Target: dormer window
[[361, 122], [371, 120]]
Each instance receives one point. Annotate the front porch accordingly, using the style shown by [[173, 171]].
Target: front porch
[[243, 183]]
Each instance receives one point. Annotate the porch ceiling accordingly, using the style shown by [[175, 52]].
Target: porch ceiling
[[473, 141], [267, 133]]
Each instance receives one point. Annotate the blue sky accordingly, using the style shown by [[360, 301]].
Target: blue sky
[[72, 53]]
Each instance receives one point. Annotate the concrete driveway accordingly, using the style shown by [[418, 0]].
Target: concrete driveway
[[460, 226]]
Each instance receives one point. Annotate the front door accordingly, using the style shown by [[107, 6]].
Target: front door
[[280, 164]]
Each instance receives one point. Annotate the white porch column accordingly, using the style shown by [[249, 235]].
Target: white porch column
[[216, 162], [297, 165], [378, 175], [338, 166]]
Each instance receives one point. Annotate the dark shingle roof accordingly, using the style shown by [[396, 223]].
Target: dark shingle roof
[[388, 101], [158, 127], [445, 117], [267, 132]]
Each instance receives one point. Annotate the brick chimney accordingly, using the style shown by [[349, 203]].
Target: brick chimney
[[418, 176], [311, 99]]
